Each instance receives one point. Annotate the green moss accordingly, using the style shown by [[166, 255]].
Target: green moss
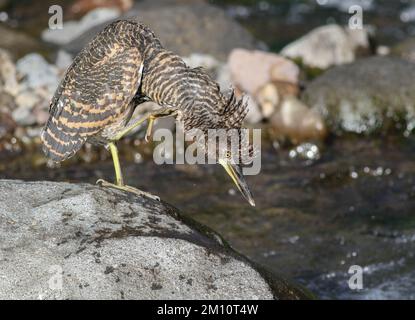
[[309, 73]]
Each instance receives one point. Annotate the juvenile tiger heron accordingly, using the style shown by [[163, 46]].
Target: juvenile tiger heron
[[125, 64]]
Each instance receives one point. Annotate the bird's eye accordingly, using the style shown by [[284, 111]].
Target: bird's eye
[[228, 154]]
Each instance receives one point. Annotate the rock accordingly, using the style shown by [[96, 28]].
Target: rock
[[63, 61], [254, 114], [16, 42], [297, 122], [81, 7], [405, 49], [8, 79], [383, 50], [7, 103], [284, 71], [202, 60], [74, 29], [184, 28], [37, 84], [24, 116], [250, 70], [407, 14], [7, 125], [272, 94], [27, 99], [41, 114], [328, 45], [37, 72], [209, 63], [223, 77], [268, 98], [67, 241], [366, 96]]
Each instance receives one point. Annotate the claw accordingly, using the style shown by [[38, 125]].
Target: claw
[[130, 189], [100, 182]]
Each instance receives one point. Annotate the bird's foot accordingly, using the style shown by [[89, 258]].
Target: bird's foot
[[136, 191], [161, 113]]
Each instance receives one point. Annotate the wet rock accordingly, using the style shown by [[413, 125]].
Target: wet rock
[[250, 70], [8, 89], [67, 241], [405, 49], [202, 60], [27, 99], [223, 77], [36, 72], [369, 95], [7, 124], [41, 114], [271, 95], [81, 7], [8, 78], [7, 102], [16, 42], [184, 28], [328, 45], [254, 114], [23, 114], [38, 81], [268, 98], [297, 122], [383, 50], [63, 61], [74, 29], [209, 63]]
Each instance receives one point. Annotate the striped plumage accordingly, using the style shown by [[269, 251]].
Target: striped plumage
[[122, 66], [99, 91]]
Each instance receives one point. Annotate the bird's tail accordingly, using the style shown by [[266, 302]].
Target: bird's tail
[[59, 145]]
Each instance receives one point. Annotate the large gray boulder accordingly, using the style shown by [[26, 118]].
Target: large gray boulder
[[328, 45], [371, 95], [68, 241], [184, 28]]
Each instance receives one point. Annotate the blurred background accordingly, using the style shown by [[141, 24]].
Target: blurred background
[[332, 86]]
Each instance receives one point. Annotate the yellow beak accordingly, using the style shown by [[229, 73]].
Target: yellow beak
[[235, 173]]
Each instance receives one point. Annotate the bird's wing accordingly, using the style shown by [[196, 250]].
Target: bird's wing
[[96, 90]]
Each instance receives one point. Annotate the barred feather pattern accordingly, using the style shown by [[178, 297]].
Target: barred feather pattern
[[122, 65]]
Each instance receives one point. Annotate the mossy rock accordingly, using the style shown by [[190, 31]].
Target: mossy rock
[[371, 95]]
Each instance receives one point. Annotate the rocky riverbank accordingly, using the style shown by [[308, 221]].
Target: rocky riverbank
[[286, 91], [68, 241]]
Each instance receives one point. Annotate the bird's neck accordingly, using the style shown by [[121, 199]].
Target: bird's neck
[[168, 81], [164, 77]]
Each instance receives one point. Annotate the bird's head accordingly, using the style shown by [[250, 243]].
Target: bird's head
[[227, 143], [234, 170], [237, 151]]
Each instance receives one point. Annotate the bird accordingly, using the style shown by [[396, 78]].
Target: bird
[[122, 66]]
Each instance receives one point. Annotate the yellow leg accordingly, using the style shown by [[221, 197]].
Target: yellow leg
[[149, 130], [130, 128], [165, 112], [119, 181]]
